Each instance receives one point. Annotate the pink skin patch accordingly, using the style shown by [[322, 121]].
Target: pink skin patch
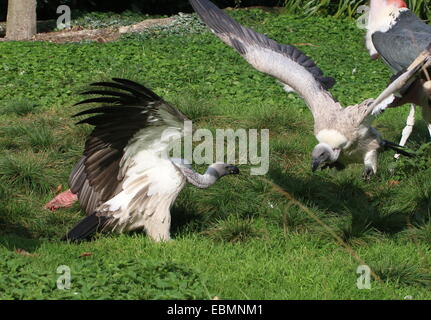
[[375, 56], [398, 3], [64, 200]]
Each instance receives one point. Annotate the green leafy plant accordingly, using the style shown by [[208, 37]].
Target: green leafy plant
[[97, 20]]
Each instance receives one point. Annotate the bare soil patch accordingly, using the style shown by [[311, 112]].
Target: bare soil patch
[[77, 34]]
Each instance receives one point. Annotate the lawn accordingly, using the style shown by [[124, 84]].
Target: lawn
[[290, 234]]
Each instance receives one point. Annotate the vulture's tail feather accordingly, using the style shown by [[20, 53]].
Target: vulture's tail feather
[[86, 228], [399, 149]]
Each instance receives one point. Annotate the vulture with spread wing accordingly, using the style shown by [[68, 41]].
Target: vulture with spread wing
[[125, 180], [344, 134]]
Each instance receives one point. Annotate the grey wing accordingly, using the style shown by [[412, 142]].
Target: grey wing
[[128, 108], [403, 81], [400, 49], [284, 62]]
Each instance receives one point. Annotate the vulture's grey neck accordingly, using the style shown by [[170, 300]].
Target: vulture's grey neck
[[201, 181]]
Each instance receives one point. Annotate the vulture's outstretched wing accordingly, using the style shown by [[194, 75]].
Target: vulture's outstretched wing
[[284, 62], [400, 83], [131, 119]]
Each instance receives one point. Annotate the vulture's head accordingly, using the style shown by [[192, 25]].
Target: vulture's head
[[323, 154], [220, 169], [381, 17]]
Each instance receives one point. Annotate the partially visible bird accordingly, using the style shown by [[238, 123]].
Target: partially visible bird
[[398, 36], [344, 134], [125, 180]]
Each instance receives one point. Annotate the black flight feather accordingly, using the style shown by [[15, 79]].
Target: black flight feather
[[126, 108], [86, 228]]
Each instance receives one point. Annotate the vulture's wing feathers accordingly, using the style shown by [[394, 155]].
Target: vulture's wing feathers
[[400, 83], [128, 112], [284, 62]]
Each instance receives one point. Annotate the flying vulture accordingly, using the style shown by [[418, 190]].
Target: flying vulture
[[125, 180], [398, 36], [344, 134]]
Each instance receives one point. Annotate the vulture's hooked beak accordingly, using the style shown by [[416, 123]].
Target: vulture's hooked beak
[[232, 169], [315, 164]]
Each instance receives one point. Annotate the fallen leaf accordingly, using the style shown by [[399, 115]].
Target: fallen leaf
[[24, 253], [58, 189], [306, 44], [393, 183], [86, 254]]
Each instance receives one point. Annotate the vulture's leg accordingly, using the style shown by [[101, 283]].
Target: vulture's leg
[[426, 115], [63, 200], [157, 228], [408, 128], [370, 164]]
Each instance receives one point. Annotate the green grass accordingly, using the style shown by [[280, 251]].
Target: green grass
[[18, 107], [346, 8], [27, 171], [241, 239]]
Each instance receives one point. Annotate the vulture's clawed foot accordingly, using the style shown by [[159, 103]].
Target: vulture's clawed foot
[[392, 170], [368, 173]]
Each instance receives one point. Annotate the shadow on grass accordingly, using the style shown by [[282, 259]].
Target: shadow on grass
[[13, 242], [347, 199], [184, 217], [8, 229]]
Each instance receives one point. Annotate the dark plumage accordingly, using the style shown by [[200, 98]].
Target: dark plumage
[[126, 110], [402, 44], [87, 227], [396, 147], [125, 179]]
